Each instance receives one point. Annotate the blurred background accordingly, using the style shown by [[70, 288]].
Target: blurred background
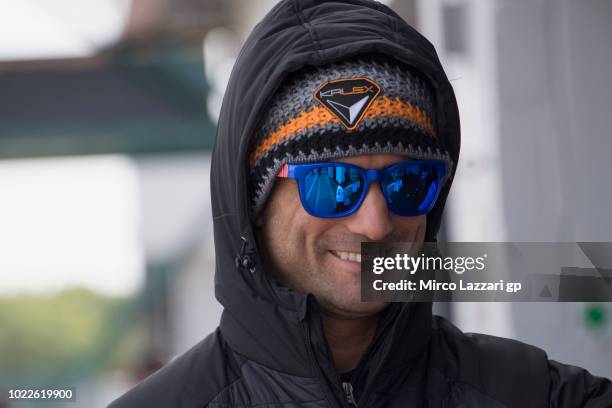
[[108, 111]]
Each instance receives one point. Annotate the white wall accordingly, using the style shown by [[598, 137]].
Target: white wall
[[555, 98], [535, 92]]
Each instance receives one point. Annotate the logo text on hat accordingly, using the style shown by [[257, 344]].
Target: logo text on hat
[[348, 99]]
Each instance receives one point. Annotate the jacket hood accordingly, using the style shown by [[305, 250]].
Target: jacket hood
[[262, 321]]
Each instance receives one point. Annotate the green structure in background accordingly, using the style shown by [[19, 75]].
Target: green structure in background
[[134, 101], [143, 101], [595, 316]]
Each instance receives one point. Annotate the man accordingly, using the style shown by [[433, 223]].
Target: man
[[324, 93]]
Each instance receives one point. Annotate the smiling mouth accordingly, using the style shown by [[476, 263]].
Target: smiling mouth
[[348, 256]]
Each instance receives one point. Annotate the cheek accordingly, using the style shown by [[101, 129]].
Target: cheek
[[296, 240], [284, 224], [411, 228], [300, 236]]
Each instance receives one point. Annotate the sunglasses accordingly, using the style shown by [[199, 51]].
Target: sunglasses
[[332, 190]]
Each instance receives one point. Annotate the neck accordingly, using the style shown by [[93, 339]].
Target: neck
[[348, 339]]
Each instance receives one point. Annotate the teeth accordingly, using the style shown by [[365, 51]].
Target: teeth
[[348, 256]]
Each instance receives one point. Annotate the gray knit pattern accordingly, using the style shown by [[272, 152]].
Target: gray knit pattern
[[298, 94]]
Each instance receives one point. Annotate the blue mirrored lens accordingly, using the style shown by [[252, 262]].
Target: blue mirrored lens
[[412, 188], [332, 190]]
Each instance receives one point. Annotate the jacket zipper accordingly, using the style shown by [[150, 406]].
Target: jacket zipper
[[364, 397], [348, 394], [329, 396]]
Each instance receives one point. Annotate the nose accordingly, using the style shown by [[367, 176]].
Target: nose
[[373, 218]]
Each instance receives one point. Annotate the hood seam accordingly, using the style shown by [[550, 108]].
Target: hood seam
[[308, 27]]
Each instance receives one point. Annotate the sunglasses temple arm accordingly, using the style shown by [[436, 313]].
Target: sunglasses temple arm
[[284, 171]]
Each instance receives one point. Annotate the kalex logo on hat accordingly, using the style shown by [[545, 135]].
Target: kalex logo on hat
[[348, 99]]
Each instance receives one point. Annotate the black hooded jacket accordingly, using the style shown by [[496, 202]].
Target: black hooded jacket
[[269, 349]]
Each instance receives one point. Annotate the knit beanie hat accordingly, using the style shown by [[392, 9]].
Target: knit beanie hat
[[348, 108]]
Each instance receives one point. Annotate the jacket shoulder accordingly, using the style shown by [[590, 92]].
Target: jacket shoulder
[[507, 371], [575, 387], [189, 380]]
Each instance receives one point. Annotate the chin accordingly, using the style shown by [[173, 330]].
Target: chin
[[353, 308]]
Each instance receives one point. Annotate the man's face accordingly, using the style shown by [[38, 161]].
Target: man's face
[[306, 253]]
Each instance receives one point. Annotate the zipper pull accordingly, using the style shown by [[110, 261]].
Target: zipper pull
[[244, 260], [348, 393]]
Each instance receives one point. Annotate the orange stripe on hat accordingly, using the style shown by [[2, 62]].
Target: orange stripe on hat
[[320, 116]]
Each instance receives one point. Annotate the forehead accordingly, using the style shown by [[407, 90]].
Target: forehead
[[373, 161]]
